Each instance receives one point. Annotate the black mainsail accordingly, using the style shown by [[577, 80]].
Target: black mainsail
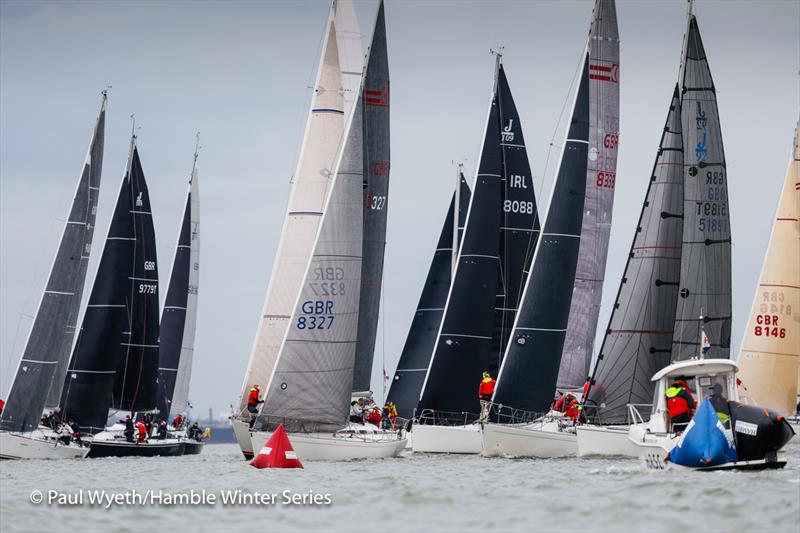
[[528, 375], [638, 340], [115, 360], [375, 95], [178, 319], [501, 231], [705, 283], [415, 358], [41, 371]]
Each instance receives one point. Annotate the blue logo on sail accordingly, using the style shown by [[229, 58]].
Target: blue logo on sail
[[701, 151]]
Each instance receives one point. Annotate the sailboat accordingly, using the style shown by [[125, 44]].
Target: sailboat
[[43, 365], [769, 359], [310, 390], [415, 357], [336, 89], [501, 232], [179, 318], [638, 339], [557, 302], [114, 363], [701, 335]]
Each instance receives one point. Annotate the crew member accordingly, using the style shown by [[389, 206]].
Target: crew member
[[680, 404], [162, 430], [76, 432], [65, 433], [2, 406], [252, 403], [147, 418], [142, 436], [177, 422], [128, 429], [375, 416], [485, 391], [356, 413], [719, 403], [390, 412], [573, 409], [563, 403]]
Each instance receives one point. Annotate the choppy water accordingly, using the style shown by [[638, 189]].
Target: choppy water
[[411, 493]]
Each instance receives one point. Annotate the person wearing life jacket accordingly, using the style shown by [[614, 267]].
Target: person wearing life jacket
[[177, 422], [252, 403], [485, 392], [2, 406], [563, 403], [375, 416], [680, 403], [142, 435], [128, 429], [390, 412]]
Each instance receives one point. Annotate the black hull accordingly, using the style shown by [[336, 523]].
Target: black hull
[[192, 448], [128, 449]]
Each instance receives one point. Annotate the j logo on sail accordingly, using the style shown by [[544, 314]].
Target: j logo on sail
[[701, 151], [701, 118], [139, 200], [507, 135]]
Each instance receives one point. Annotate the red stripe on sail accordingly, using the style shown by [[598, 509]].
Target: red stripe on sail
[[604, 73], [377, 97]]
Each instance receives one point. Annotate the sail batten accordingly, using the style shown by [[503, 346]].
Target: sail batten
[[40, 375]]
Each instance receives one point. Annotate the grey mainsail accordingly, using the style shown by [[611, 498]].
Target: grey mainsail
[[638, 340], [40, 375], [705, 282], [601, 172], [313, 376], [527, 378], [416, 355], [376, 199]]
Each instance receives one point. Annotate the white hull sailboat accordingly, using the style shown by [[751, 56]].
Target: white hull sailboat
[[552, 436], [610, 441], [38, 444], [41, 371], [464, 439]]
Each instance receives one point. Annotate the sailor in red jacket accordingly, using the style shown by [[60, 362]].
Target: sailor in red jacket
[[680, 404], [252, 403], [485, 392], [142, 437]]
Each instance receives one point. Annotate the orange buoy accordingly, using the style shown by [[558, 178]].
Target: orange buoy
[[277, 452]]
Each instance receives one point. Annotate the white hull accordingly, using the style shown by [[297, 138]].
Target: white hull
[[242, 431], [36, 445], [529, 440], [333, 447], [605, 441], [447, 439]]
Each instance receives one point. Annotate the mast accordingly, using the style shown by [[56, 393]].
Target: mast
[[179, 316], [528, 374], [501, 231], [415, 357], [115, 360], [638, 338], [705, 281], [376, 161], [43, 365]]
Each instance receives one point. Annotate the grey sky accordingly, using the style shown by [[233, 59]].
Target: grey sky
[[239, 73]]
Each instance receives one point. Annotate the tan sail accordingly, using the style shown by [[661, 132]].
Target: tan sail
[[770, 353]]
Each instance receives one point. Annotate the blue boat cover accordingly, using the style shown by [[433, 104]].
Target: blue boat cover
[[704, 443]]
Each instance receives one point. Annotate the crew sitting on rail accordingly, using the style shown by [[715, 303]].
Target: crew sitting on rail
[[680, 404], [76, 432]]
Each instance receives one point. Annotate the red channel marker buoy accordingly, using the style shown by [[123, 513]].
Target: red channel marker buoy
[[277, 452]]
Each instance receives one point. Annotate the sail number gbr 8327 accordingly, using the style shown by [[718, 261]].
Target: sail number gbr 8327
[[318, 314]]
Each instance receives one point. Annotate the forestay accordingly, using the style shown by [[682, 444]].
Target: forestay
[[40, 375], [638, 340], [527, 378], [601, 176], [416, 355]]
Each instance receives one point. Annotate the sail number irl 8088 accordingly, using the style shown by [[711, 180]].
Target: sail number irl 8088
[[316, 314]]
